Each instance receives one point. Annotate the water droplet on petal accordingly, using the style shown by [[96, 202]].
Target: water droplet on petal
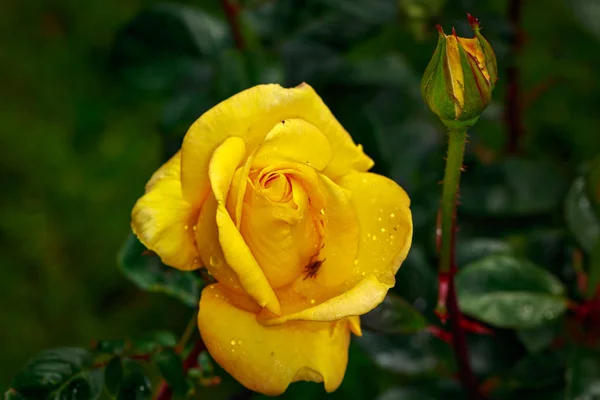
[[382, 229], [374, 237], [312, 301], [322, 211], [185, 227], [233, 342], [392, 215], [355, 262]]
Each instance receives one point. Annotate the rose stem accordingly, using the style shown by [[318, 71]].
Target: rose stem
[[513, 100], [447, 267], [231, 13]]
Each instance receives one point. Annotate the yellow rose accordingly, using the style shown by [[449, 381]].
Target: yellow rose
[[270, 194]]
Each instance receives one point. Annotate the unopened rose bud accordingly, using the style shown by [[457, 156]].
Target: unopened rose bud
[[458, 82]]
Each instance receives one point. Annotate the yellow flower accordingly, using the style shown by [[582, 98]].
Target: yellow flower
[[270, 194]]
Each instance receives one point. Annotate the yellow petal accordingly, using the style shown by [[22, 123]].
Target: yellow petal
[[282, 235], [294, 140], [385, 224], [223, 165], [211, 254], [336, 220], [456, 73], [268, 359], [473, 47], [250, 115], [359, 300], [385, 220], [163, 221]]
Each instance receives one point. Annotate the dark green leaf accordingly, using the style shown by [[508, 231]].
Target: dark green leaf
[[511, 293], [232, 74], [11, 394], [514, 187], [59, 373], [152, 341], [588, 12], [417, 283], [113, 374], [583, 375], [539, 370], [115, 347], [413, 354], [171, 367], [540, 337], [394, 315], [135, 384], [471, 249], [149, 273], [163, 45], [492, 355], [86, 386], [580, 216], [425, 389]]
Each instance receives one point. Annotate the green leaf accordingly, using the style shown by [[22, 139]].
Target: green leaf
[[152, 341], [471, 249], [171, 367], [417, 283], [580, 216], [425, 389], [583, 374], [115, 347], [394, 315], [509, 293], [232, 74], [11, 394], [514, 187], [492, 355], [162, 45], [412, 355], [135, 385], [113, 375], [60, 373], [539, 370], [149, 273], [540, 337]]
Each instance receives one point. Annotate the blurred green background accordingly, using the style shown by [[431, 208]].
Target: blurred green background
[[96, 94]]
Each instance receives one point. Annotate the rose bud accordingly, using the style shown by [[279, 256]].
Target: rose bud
[[458, 82]]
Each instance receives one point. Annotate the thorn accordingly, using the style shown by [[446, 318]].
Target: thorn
[[440, 333], [475, 327]]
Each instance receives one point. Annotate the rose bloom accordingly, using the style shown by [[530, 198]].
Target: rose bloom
[[271, 195]]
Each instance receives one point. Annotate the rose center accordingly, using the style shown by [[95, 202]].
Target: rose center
[[276, 187]]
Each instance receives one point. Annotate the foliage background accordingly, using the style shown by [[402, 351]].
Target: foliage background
[[86, 118]]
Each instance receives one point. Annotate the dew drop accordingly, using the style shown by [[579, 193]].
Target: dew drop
[[233, 342], [312, 301], [355, 262], [322, 211], [382, 229], [194, 227], [374, 237], [214, 261], [186, 227], [392, 215], [379, 219]]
